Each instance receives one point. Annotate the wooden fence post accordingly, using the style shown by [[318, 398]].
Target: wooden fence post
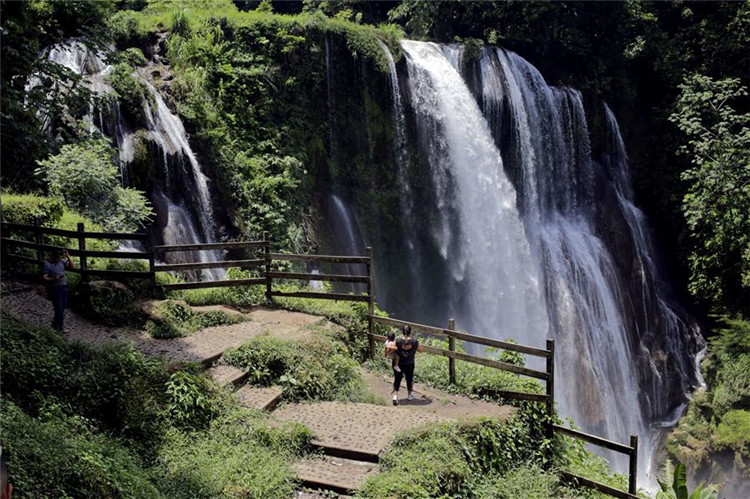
[[633, 471], [38, 241], [5, 250], [550, 388], [370, 304], [267, 255], [452, 348], [82, 249]]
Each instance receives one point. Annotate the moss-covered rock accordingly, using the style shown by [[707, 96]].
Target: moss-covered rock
[[109, 302]]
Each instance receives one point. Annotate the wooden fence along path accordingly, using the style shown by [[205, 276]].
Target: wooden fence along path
[[264, 263]]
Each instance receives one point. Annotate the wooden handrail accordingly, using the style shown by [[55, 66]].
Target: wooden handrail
[[538, 352], [318, 258], [327, 296], [593, 439], [586, 482], [214, 284], [131, 255], [319, 277], [524, 371], [54, 231], [169, 267], [207, 246]]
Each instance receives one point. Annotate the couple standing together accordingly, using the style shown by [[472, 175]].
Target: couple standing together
[[402, 351]]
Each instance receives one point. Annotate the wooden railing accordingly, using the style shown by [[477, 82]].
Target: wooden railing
[[80, 235], [265, 262], [548, 398]]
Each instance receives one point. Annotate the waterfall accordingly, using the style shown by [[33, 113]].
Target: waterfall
[[528, 236], [184, 201], [347, 240], [489, 257]]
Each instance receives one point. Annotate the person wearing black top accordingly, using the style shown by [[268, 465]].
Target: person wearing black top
[[407, 349]]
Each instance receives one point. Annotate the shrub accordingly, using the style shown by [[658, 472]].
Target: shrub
[[190, 407], [236, 457], [108, 302], [57, 455], [131, 91], [173, 319], [84, 175], [320, 369], [26, 208], [734, 431], [447, 460], [528, 480], [118, 387]]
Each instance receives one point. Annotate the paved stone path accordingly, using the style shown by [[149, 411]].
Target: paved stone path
[[333, 473], [203, 346], [258, 397]]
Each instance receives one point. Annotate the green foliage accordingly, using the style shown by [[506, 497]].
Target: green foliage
[[717, 202], [705, 432], [528, 480], [108, 302], [189, 406], [673, 484], [734, 431], [173, 319], [236, 457], [447, 460], [317, 369], [27, 28], [58, 455], [27, 208], [117, 387], [72, 416], [84, 175], [131, 91]]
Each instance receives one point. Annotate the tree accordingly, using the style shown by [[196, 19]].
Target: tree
[[716, 205], [84, 175], [673, 484]]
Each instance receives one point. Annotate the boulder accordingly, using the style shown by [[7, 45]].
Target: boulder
[[109, 302]]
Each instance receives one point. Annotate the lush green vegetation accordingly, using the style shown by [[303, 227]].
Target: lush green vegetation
[[319, 368], [85, 177], [718, 418], [80, 422], [172, 319]]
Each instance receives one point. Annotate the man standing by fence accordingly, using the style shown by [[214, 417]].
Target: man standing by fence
[[57, 284]]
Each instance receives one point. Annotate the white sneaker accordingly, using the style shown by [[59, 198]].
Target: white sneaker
[[395, 399], [411, 396], [397, 369]]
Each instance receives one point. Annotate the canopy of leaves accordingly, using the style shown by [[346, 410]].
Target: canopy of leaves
[[84, 175], [717, 202]]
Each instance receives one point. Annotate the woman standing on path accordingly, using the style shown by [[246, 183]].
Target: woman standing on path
[[57, 284], [406, 348]]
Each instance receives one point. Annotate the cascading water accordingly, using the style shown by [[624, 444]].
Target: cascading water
[[182, 218], [491, 265], [555, 248], [347, 240]]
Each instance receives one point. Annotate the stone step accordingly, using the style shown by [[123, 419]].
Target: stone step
[[263, 398], [342, 476], [353, 430], [227, 375]]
